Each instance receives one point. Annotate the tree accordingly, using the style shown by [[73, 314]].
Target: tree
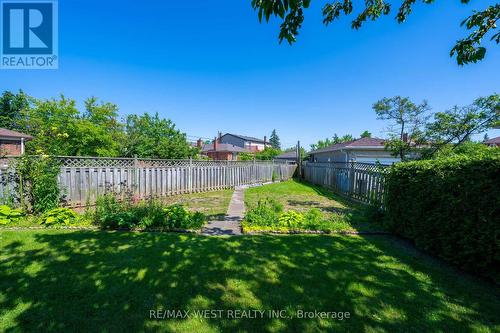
[[100, 132], [274, 140], [268, 153], [459, 124], [366, 134], [12, 107], [333, 141], [53, 124], [467, 50], [407, 121], [154, 137], [486, 137]]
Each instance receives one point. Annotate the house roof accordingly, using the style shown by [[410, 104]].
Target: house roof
[[247, 138], [288, 155], [223, 147], [363, 143], [493, 140], [6, 133]]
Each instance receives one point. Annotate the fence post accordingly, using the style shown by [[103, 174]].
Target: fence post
[[351, 178], [135, 178], [190, 175]]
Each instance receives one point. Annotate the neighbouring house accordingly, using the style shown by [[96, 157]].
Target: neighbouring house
[[221, 151], [287, 156], [247, 142], [494, 142], [364, 150], [12, 142]]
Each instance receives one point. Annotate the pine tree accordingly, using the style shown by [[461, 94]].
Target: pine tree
[[274, 140]]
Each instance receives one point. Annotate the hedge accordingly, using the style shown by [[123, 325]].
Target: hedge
[[449, 207]]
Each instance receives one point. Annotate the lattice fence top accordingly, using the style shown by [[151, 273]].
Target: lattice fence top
[[121, 162], [351, 165]]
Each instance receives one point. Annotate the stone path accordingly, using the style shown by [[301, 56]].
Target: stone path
[[231, 225]]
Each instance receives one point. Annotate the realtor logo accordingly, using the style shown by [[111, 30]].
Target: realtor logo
[[28, 34]]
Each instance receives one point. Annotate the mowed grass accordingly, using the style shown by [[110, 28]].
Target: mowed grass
[[301, 196], [69, 281]]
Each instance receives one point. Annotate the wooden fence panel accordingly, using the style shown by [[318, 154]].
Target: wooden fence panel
[[82, 179], [359, 181]]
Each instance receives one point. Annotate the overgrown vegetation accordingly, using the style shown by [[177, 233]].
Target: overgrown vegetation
[[450, 207], [269, 215], [110, 213], [37, 187], [295, 206]]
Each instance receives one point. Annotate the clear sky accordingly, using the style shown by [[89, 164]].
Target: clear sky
[[210, 66]]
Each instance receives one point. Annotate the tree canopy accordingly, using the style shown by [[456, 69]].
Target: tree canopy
[[366, 134], [274, 140], [152, 136], [410, 128], [468, 49], [59, 128], [406, 123], [331, 141]]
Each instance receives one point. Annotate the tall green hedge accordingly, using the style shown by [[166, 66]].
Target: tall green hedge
[[449, 207]]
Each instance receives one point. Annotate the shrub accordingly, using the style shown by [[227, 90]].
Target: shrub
[[37, 183], [152, 214], [59, 216], [291, 219], [265, 214], [9, 215], [112, 214], [449, 207]]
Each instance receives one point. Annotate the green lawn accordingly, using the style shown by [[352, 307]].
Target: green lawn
[[303, 196], [213, 204], [109, 281]]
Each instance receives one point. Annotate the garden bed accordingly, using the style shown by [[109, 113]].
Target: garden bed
[[296, 207], [186, 213]]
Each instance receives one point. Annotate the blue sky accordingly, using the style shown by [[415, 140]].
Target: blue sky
[[210, 66]]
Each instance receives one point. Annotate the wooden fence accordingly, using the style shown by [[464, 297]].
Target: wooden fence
[[359, 181], [83, 179]]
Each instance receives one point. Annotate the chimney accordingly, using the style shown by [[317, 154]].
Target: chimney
[[265, 141], [220, 136], [215, 144], [198, 143], [405, 137]]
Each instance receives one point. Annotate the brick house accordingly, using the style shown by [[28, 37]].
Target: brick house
[[247, 142], [221, 151], [12, 142]]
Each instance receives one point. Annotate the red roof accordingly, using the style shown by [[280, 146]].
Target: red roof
[[363, 142], [493, 140], [6, 133]]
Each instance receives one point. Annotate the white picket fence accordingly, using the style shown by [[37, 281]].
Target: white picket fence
[[83, 179], [359, 181]]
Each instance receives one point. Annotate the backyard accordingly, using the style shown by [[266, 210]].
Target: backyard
[[62, 280], [56, 280], [338, 214]]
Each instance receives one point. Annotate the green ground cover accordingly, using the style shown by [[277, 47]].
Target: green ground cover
[[336, 213], [54, 280]]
